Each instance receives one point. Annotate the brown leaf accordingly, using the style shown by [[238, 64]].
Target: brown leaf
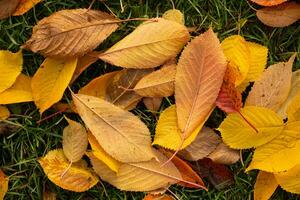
[[224, 155], [7, 8], [280, 16], [71, 33], [152, 104], [7, 128], [48, 195]]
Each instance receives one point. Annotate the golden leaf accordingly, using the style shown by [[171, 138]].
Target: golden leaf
[[4, 113], [265, 186], [3, 184], [174, 15], [24, 6], [289, 180]]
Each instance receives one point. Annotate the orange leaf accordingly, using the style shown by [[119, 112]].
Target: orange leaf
[[158, 197], [24, 6], [269, 2]]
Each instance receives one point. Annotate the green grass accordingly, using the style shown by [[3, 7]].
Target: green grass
[[20, 149]]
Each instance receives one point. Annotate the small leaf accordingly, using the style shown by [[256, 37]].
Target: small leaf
[[265, 186], [151, 44], [75, 141], [269, 2], [24, 6], [71, 33], [152, 104], [3, 184], [10, 67], [77, 178], [174, 15], [158, 197], [238, 134], [7, 8], [281, 15], [48, 195], [50, 81], [289, 180], [224, 155], [113, 129], [4, 113]]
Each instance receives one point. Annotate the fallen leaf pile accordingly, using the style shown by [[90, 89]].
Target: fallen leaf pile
[[114, 145]]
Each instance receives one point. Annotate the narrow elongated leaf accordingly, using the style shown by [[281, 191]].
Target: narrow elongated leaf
[[10, 68], [174, 15], [4, 113], [289, 180], [265, 186], [199, 76], [113, 129], [149, 45], [3, 184], [77, 178], [24, 6], [71, 33], [50, 81], [224, 155], [75, 141], [238, 134], [19, 92], [273, 87], [280, 16], [269, 2], [7, 8]]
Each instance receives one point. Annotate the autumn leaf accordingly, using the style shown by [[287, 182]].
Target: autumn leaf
[[159, 83], [48, 195], [10, 67], [71, 33], [205, 143], [19, 92], [269, 2], [50, 81], [293, 109], [7, 8], [224, 155], [199, 76], [273, 87], [4, 113], [289, 180], [3, 184], [77, 178], [151, 44], [281, 15], [265, 186], [152, 103], [238, 134], [75, 141], [158, 197], [113, 125], [174, 15], [24, 6]]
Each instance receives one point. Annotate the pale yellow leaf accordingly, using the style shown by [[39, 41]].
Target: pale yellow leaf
[[205, 143], [71, 33], [151, 44], [139, 176], [237, 53], [174, 15], [167, 133], [289, 180], [10, 68], [224, 155], [198, 80], [273, 87], [4, 113], [3, 184], [24, 6], [265, 186], [152, 103], [19, 92], [238, 134], [75, 141], [50, 81], [120, 133], [77, 177], [100, 154]]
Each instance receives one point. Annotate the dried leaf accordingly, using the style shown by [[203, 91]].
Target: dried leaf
[[113, 125], [75, 141], [3, 184], [71, 33], [199, 76], [77, 178], [149, 45], [10, 67], [48, 195], [269, 2], [174, 15], [289, 180], [7, 128], [19, 92], [281, 15], [273, 87], [139, 176], [24, 6], [265, 186], [152, 103], [238, 134], [50, 81], [205, 143], [7, 8], [224, 155], [159, 83], [158, 197], [4, 113]]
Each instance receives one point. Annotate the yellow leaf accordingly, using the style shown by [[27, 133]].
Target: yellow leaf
[[237, 53], [224, 155], [174, 15], [167, 133], [281, 153], [100, 154], [4, 113], [10, 68], [50, 81], [293, 109], [19, 92], [71, 33], [238, 134], [265, 186], [77, 177], [199, 76], [289, 180], [273, 87], [24, 6], [120, 133], [3, 184], [139, 176], [149, 45], [75, 141], [159, 83]]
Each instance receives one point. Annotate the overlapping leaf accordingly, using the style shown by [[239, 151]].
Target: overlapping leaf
[[174, 15], [269, 2], [224, 155], [24, 6], [290, 180], [265, 186], [4, 113], [3, 184], [7, 8]]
